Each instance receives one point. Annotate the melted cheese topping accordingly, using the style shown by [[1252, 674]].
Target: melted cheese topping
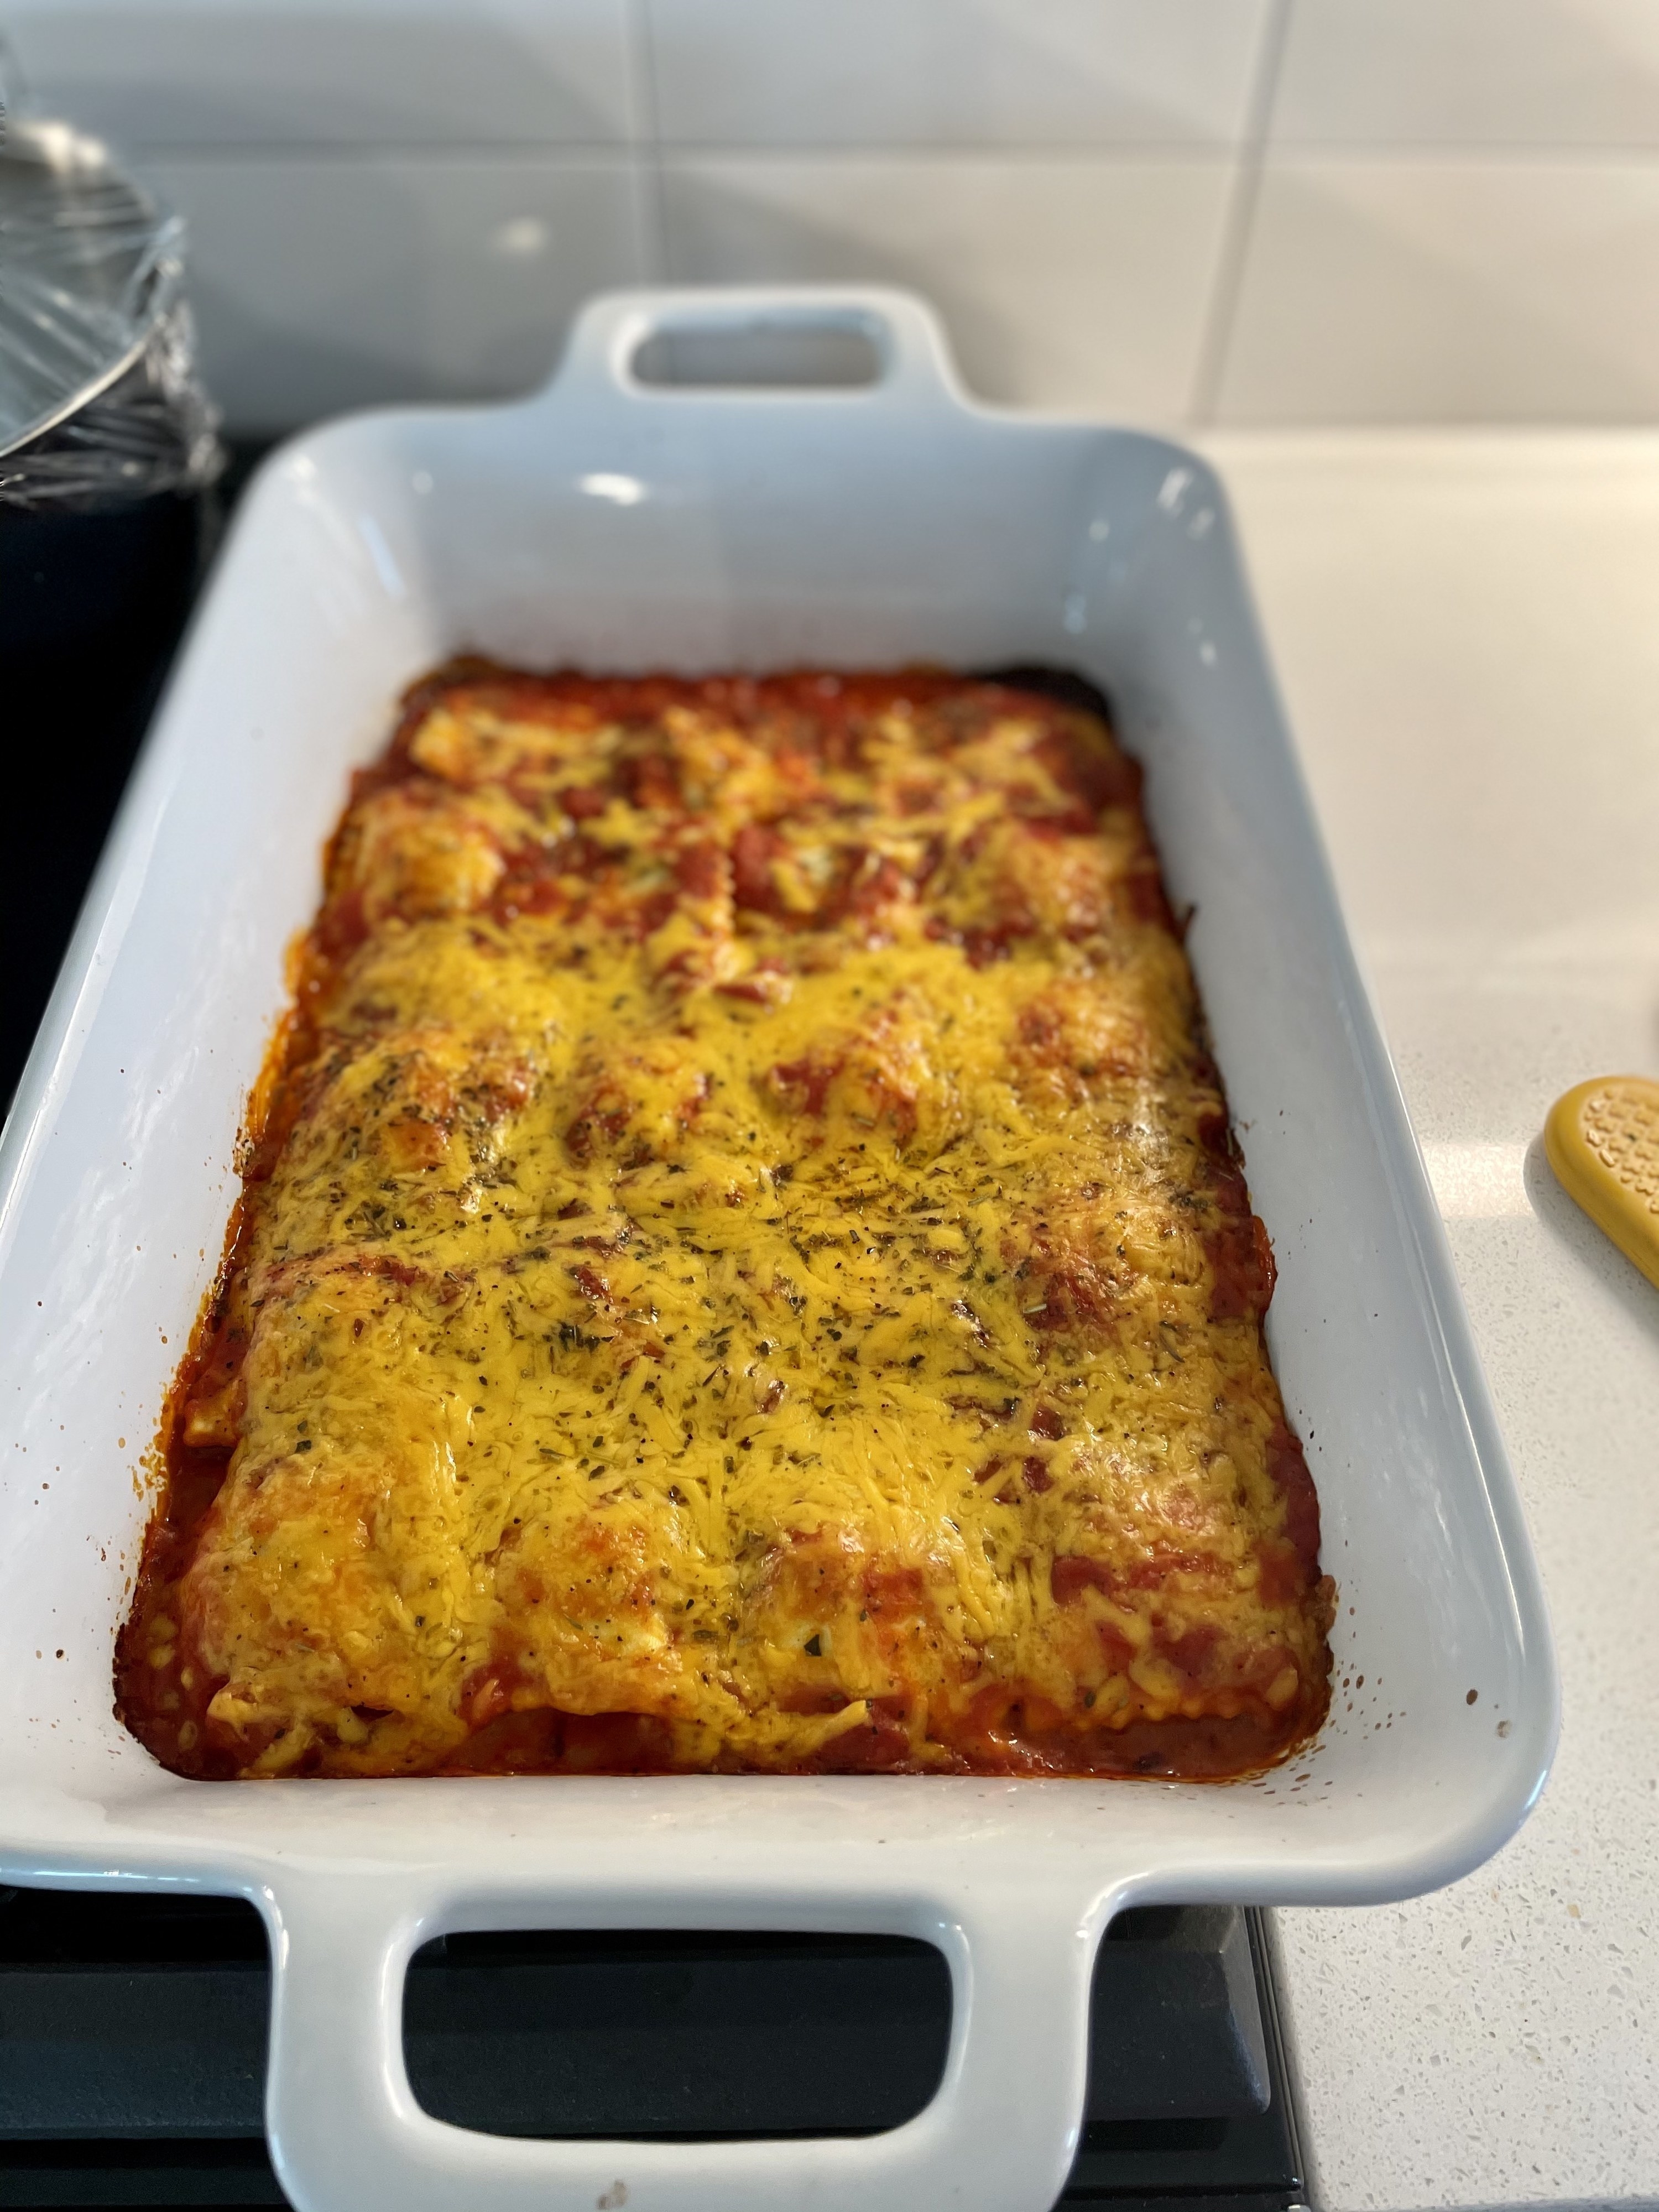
[[746, 1267]]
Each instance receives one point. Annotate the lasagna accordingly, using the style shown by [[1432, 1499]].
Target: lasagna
[[743, 1264]]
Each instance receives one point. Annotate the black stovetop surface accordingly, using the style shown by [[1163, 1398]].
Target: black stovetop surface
[[132, 2047], [132, 2028]]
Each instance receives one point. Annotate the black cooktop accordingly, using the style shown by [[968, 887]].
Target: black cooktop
[[132, 2048], [133, 2028]]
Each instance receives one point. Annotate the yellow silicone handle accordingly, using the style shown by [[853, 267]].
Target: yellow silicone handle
[[1602, 1141]]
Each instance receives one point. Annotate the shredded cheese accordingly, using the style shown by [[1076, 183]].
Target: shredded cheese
[[757, 1250]]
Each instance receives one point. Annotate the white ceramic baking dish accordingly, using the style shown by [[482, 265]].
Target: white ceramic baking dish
[[619, 527]]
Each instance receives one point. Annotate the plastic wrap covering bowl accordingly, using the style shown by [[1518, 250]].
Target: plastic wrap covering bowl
[[107, 448], [99, 398]]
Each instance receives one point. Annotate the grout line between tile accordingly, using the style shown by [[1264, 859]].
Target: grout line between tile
[[1431, 153], [1240, 220], [1124, 151], [592, 153], [652, 197], [1171, 155]]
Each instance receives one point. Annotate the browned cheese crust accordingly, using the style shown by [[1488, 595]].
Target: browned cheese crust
[[743, 1265]]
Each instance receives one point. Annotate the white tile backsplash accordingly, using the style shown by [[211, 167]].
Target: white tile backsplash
[[322, 284], [1454, 73], [1448, 290], [802, 73], [1316, 209], [1069, 283], [331, 73]]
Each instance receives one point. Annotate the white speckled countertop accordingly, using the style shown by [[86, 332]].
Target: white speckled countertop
[[1466, 627]]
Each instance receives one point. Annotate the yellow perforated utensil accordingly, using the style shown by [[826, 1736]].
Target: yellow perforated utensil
[[1602, 1141]]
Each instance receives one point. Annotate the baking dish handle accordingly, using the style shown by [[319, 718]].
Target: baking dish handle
[[346, 2134], [912, 358]]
